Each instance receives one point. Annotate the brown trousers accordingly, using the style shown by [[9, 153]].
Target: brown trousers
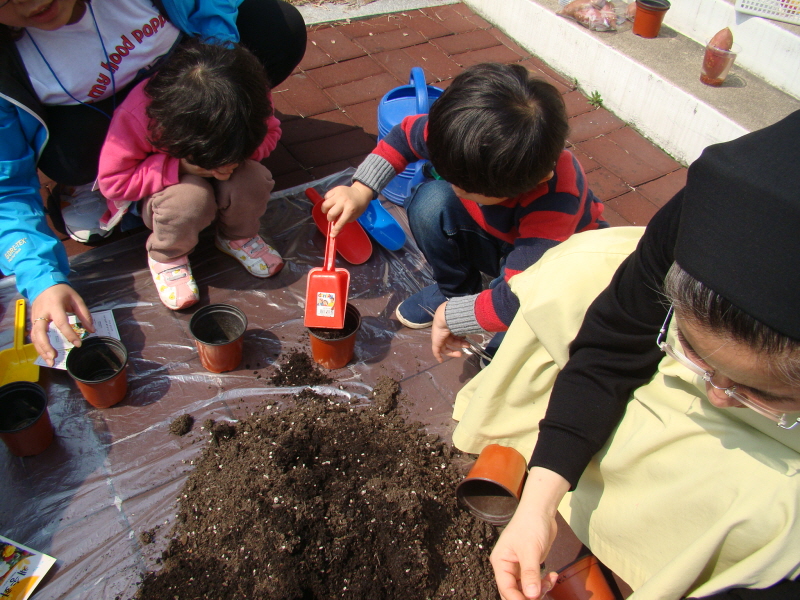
[[178, 213]]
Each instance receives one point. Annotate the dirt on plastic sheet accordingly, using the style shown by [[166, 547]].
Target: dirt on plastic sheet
[[325, 499]]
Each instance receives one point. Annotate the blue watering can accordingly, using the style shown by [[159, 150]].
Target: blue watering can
[[412, 99]]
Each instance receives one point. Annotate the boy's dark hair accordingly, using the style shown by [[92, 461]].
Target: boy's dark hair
[[208, 104], [497, 131]]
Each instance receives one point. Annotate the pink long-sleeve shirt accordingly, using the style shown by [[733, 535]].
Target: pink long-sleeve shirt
[[132, 168]]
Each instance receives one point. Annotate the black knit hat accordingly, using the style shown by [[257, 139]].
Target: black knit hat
[[739, 232]]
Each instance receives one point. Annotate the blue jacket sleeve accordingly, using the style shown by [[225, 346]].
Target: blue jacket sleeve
[[215, 19], [29, 249]]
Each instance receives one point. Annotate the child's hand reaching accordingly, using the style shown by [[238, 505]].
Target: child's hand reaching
[[344, 204]]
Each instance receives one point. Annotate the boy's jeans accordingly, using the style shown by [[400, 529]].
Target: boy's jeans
[[455, 246]]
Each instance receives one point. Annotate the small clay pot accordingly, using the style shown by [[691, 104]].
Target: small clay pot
[[582, 580], [493, 486], [25, 425], [98, 367], [334, 348], [649, 16], [218, 331]]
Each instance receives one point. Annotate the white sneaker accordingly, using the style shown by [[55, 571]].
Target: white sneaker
[[83, 213], [256, 255]]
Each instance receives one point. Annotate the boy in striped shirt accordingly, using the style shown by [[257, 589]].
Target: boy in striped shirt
[[502, 190]]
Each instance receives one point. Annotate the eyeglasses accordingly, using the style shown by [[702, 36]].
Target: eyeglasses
[[782, 419]]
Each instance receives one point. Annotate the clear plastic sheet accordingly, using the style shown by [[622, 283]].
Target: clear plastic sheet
[[115, 473]]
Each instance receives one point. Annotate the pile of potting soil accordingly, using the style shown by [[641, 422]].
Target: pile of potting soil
[[325, 499]]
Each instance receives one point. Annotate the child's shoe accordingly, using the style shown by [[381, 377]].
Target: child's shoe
[[82, 211], [416, 311], [258, 257], [175, 283]]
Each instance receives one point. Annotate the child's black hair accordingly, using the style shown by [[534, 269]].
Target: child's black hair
[[497, 131], [208, 104]]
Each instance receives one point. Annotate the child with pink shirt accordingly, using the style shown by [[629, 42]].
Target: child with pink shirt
[[187, 142]]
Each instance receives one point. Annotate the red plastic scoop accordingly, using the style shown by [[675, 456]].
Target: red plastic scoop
[[353, 243], [326, 291]]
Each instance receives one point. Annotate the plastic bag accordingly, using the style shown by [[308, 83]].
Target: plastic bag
[[597, 15]]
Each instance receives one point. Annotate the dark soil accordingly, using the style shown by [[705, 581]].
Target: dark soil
[[299, 369], [325, 499], [181, 425], [351, 324]]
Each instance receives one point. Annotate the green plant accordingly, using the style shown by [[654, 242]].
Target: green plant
[[595, 99]]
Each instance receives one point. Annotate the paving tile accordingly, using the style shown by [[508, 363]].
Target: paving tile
[[345, 71], [576, 103], [619, 161], [613, 217], [399, 63], [329, 169], [332, 149], [289, 180], [429, 28], [542, 66], [605, 184], [450, 18], [302, 94], [592, 124], [633, 207], [537, 72], [507, 41], [357, 160], [465, 42], [637, 145], [365, 89], [283, 109], [280, 162], [365, 114], [316, 127], [390, 40], [588, 164], [661, 190], [376, 25], [313, 58], [501, 54], [433, 61], [335, 44]]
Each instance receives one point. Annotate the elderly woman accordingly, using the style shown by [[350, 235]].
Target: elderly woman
[[665, 401]]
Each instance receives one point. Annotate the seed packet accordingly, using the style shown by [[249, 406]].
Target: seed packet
[[21, 569]]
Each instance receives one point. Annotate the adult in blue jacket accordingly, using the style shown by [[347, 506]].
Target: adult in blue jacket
[[64, 66]]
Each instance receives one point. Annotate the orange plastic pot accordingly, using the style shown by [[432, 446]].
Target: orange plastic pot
[[98, 368], [582, 580], [25, 425], [334, 348], [218, 331], [492, 488], [649, 16]]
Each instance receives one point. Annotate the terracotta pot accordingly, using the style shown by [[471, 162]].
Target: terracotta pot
[[493, 486], [649, 15], [334, 348], [716, 64], [98, 367], [218, 331], [582, 580], [25, 425]]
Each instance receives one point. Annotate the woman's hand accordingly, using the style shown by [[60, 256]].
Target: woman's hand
[[526, 540], [53, 304], [443, 342], [345, 203]]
